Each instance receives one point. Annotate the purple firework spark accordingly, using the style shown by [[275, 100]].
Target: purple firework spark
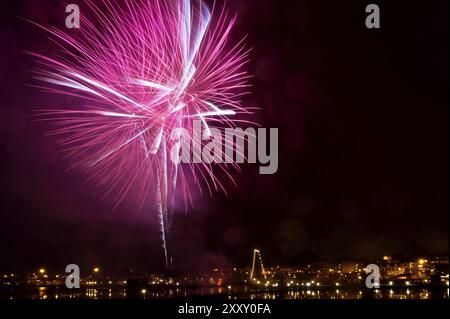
[[143, 68]]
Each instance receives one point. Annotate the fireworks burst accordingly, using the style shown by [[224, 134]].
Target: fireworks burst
[[141, 69]]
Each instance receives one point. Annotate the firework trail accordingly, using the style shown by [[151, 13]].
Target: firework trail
[[141, 69]]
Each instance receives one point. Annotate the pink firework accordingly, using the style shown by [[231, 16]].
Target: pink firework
[[142, 69]]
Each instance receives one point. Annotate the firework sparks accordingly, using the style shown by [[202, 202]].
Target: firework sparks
[[143, 69]]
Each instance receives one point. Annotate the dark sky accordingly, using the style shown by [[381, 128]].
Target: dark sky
[[363, 170]]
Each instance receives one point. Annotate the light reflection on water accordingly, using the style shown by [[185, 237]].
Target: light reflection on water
[[227, 293]]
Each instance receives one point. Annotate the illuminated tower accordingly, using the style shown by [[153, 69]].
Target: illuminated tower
[[257, 255]]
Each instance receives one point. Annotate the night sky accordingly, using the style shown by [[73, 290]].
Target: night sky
[[363, 160]]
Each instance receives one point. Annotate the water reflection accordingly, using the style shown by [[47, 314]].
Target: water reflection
[[243, 292]]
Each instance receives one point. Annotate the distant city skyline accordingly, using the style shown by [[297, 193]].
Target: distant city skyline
[[417, 278]]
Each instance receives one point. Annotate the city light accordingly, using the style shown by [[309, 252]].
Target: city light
[[229, 279]]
